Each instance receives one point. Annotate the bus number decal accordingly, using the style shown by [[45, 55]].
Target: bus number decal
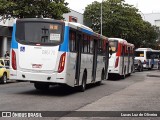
[[48, 52]]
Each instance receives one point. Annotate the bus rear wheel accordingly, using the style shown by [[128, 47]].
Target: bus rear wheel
[[102, 78], [41, 86], [124, 74], [151, 67], [83, 85]]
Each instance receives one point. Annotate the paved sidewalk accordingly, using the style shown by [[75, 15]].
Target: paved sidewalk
[[141, 96], [156, 73]]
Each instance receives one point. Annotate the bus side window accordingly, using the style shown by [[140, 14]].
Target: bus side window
[[148, 55], [86, 44], [104, 46], [156, 55], [72, 41], [127, 51], [123, 50], [100, 47], [91, 46]]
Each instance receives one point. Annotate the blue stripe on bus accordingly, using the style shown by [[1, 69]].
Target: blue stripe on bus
[[64, 45], [14, 43], [87, 31]]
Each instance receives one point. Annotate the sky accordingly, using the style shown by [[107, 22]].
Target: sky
[[145, 6]]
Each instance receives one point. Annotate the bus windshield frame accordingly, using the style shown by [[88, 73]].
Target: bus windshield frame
[[39, 32]]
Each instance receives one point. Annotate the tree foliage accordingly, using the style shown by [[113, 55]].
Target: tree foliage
[[120, 20], [34, 8]]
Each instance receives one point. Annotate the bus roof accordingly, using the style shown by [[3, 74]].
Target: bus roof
[[72, 24], [121, 41], [84, 28], [144, 49]]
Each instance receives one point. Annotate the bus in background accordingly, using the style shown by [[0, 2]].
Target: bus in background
[[47, 52], [148, 57], [121, 60]]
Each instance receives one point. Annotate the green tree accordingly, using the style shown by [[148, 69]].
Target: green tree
[[120, 20], [34, 8]]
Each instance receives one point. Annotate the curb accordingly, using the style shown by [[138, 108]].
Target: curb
[[153, 75]]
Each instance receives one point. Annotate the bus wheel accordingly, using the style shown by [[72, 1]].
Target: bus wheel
[[152, 66], [4, 78], [83, 85], [102, 78], [41, 86]]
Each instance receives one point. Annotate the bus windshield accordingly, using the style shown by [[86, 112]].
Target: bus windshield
[[113, 45], [139, 54], [38, 32]]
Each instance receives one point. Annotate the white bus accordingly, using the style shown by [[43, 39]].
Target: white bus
[[148, 57], [121, 60], [46, 52]]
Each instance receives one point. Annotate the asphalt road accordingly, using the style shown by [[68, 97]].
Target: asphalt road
[[22, 96]]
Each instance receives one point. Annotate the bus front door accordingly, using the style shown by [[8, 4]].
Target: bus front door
[[78, 58], [94, 68], [123, 53], [128, 69], [106, 60]]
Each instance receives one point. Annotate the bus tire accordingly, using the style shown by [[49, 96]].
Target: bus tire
[[152, 66], [102, 78], [4, 78], [149, 68], [41, 86], [82, 87]]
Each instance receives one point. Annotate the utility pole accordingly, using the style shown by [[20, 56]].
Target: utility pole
[[101, 18]]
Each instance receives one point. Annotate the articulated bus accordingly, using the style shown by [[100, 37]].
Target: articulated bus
[[47, 52], [148, 57], [121, 60]]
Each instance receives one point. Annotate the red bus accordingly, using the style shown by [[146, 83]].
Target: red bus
[[121, 60]]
